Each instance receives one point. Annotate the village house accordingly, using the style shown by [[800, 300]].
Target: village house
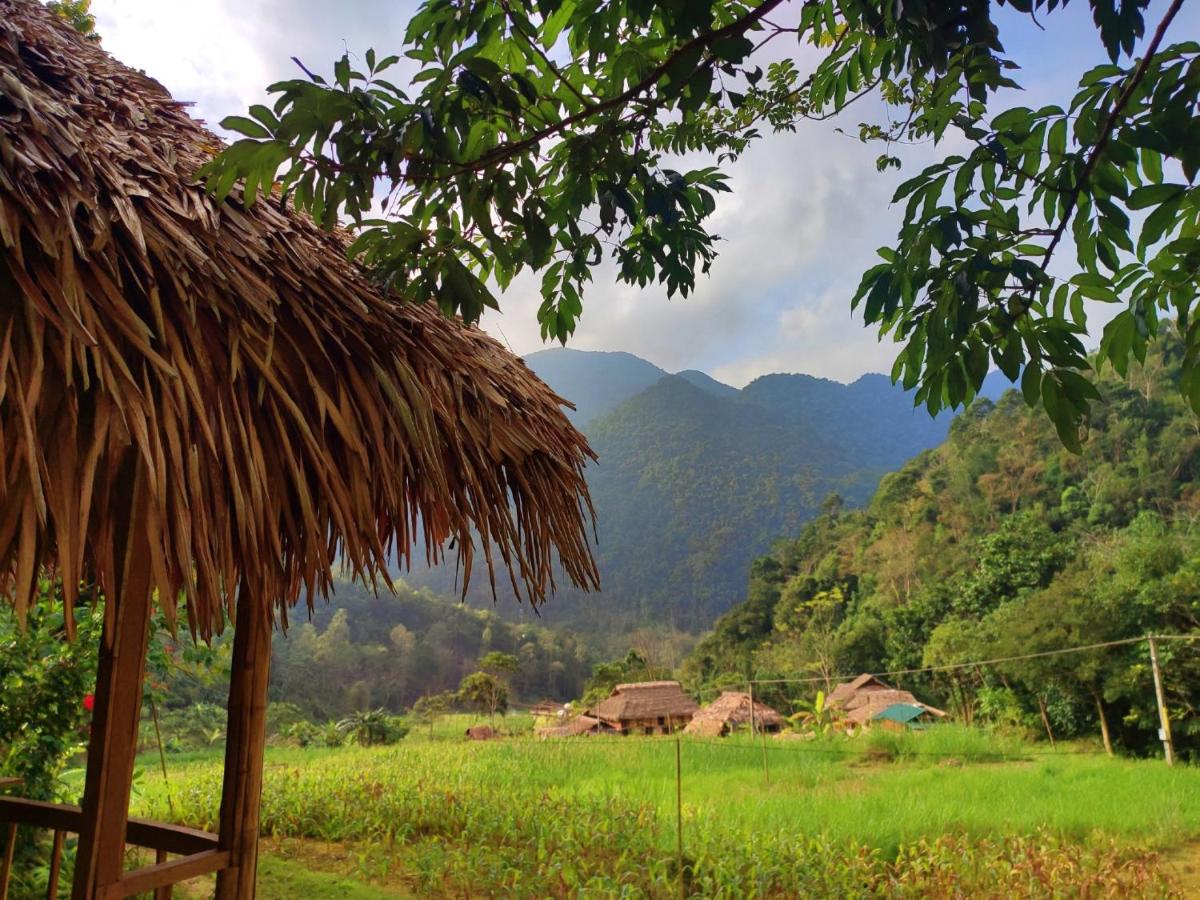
[[868, 699], [647, 707], [731, 711]]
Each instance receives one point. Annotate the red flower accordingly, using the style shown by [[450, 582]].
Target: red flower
[[89, 702]]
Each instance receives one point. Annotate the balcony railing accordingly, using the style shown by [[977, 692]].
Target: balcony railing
[[197, 852]]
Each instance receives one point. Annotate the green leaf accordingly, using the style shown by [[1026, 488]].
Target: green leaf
[[243, 125], [1154, 194]]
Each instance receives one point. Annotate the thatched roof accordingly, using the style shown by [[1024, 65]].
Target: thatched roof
[[729, 711], [866, 705], [646, 700], [582, 724], [221, 385], [843, 693]]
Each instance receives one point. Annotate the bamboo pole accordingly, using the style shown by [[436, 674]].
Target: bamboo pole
[[245, 740], [1164, 731], [10, 845], [679, 818], [752, 724], [162, 754], [100, 852]]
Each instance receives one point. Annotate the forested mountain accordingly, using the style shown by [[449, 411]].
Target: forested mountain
[[595, 382], [362, 651], [697, 478], [998, 543]]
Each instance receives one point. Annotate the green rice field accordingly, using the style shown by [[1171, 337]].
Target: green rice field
[[946, 813]]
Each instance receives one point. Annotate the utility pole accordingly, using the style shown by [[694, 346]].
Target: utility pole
[[1164, 731]]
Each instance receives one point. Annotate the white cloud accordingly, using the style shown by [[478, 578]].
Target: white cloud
[[804, 220]]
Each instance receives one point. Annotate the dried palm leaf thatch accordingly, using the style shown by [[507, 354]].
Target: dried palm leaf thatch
[[212, 400]]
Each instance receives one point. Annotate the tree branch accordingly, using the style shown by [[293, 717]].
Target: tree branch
[[1110, 125]]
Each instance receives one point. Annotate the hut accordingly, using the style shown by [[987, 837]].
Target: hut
[[578, 725], [864, 684], [646, 707], [862, 700], [730, 712], [208, 404]]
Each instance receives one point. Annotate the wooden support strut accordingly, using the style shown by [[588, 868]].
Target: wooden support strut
[[101, 851], [244, 743]]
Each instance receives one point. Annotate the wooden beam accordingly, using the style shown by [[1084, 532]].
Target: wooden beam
[[149, 878], [113, 745], [139, 832], [245, 738]]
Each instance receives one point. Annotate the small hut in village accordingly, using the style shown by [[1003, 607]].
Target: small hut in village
[[731, 711], [575, 726], [868, 699], [646, 707], [208, 407]]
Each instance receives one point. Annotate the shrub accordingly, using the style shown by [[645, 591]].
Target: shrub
[[45, 689], [372, 727]]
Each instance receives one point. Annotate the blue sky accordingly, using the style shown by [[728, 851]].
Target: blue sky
[[807, 212]]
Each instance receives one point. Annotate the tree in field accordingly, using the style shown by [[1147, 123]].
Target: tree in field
[[545, 135], [488, 688], [485, 692], [431, 707]]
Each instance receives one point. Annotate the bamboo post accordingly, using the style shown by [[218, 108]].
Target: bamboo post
[[762, 732], [679, 818], [162, 754], [244, 743], [164, 892], [1164, 731], [100, 854], [56, 852], [752, 725], [10, 846]]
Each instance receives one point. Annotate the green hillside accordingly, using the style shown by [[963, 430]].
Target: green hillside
[[594, 382], [696, 478], [1000, 542]]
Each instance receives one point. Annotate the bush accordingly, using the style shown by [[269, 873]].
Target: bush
[[45, 689], [373, 727]]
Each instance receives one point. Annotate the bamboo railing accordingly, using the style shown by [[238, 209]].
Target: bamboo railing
[[197, 852]]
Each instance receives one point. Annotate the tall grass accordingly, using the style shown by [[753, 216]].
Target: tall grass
[[829, 819]]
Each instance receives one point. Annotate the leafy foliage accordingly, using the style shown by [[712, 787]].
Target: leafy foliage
[[545, 134], [46, 682], [369, 728], [79, 14], [364, 651], [953, 561]]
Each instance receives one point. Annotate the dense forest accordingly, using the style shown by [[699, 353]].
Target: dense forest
[[1000, 543], [364, 651], [695, 479]]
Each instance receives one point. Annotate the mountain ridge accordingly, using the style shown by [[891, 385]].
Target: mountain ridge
[[697, 478]]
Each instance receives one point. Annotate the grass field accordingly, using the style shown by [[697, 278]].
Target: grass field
[[948, 812]]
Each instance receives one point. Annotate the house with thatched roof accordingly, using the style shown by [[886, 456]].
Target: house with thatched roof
[[849, 690], [731, 711], [646, 707], [867, 697], [208, 402], [575, 726]]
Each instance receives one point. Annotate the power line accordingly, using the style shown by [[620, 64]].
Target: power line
[[948, 667]]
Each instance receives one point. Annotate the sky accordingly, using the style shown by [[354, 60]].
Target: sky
[[807, 212]]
